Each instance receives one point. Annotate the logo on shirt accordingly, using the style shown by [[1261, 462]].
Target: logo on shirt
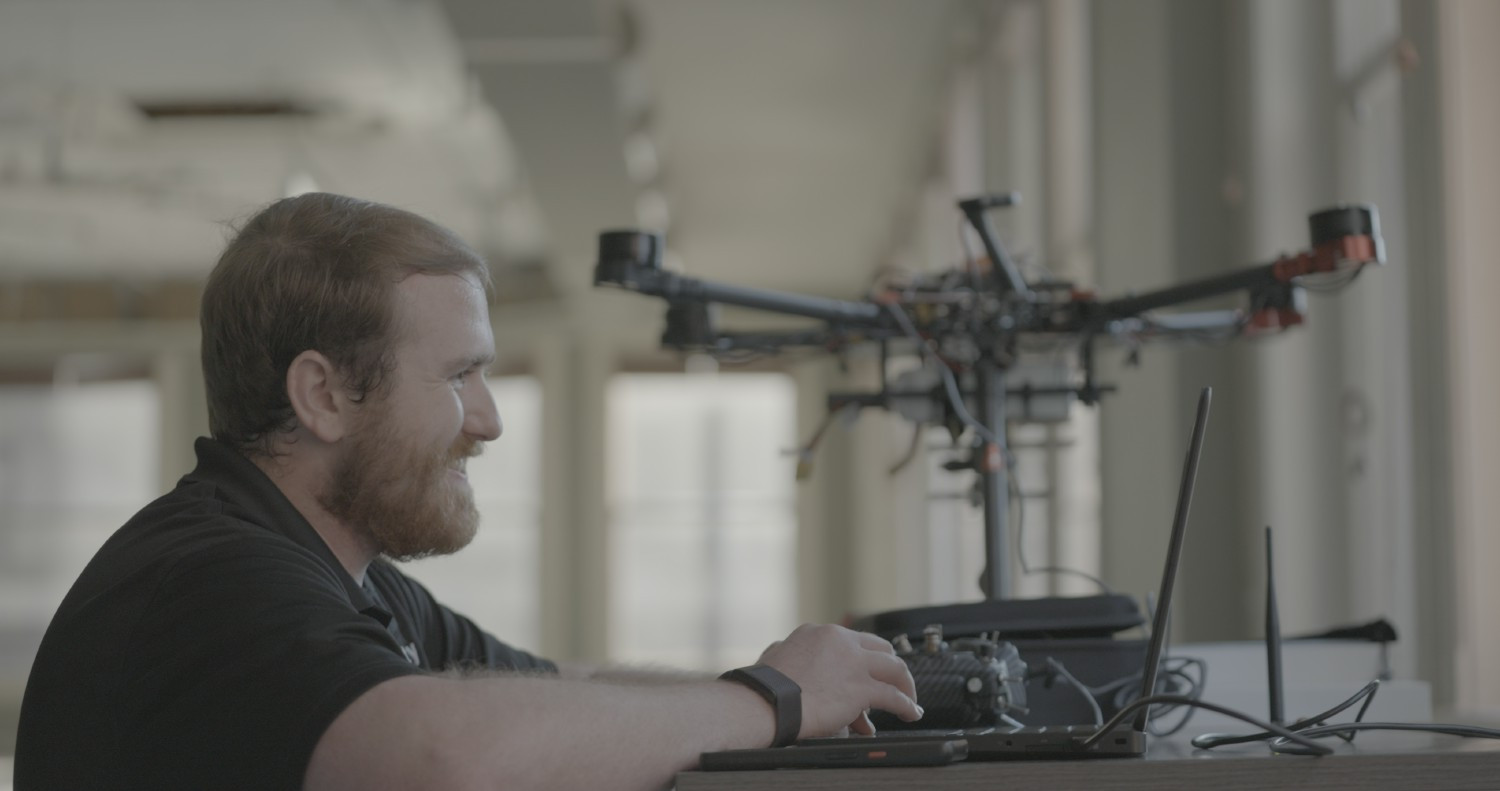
[[410, 652]]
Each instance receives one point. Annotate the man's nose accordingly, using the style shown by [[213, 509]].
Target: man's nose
[[481, 418]]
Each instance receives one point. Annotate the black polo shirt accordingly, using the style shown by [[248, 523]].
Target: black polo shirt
[[214, 638]]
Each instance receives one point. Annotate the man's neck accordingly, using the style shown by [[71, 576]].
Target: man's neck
[[301, 480]]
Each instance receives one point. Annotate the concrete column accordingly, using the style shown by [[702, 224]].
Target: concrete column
[[1075, 514], [558, 636], [1142, 431], [574, 541], [1207, 124], [1014, 130], [1293, 439], [1376, 403], [1468, 65], [824, 521], [1427, 293]]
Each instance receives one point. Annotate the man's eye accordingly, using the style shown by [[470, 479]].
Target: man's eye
[[462, 377]]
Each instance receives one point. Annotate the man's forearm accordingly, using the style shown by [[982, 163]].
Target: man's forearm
[[647, 675], [531, 732], [535, 733]]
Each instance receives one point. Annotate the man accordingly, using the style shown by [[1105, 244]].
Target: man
[[246, 630]]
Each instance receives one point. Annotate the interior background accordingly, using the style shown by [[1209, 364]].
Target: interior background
[[808, 146]]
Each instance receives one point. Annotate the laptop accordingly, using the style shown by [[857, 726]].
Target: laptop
[[1068, 741]]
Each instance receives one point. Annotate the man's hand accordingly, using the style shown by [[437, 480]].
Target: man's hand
[[843, 674]]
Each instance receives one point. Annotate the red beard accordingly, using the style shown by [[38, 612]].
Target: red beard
[[406, 505]]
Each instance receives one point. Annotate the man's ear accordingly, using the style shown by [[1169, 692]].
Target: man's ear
[[317, 396]]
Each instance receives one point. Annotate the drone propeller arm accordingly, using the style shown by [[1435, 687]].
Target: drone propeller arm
[[1242, 280], [1345, 238], [632, 260]]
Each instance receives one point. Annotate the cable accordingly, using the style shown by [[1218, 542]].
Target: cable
[[1168, 677], [956, 401], [1057, 667], [911, 451], [1315, 727], [1208, 741], [1020, 536], [1176, 680], [1345, 731], [1173, 678], [950, 385], [804, 453], [1311, 746], [1195, 686]]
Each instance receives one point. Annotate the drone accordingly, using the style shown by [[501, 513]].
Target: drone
[[974, 324]]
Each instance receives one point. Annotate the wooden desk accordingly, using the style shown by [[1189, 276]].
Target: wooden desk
[[1378, 760]]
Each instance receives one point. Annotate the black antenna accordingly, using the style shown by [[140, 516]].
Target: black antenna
[[1273, 638]]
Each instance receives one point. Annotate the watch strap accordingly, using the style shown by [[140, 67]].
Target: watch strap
[[781, 692]]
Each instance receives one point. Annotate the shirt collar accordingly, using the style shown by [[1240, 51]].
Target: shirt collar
[[242, 484]]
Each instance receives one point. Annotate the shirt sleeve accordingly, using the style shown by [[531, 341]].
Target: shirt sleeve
[[277, 653], [450, 640]]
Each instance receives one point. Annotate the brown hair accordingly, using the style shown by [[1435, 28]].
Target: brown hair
[[318, 272]]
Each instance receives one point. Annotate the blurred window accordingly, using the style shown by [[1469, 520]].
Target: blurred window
[[955, 524], [702, 517], [76, 462]]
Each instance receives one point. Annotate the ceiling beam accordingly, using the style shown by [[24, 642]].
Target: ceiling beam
[[549, 70]]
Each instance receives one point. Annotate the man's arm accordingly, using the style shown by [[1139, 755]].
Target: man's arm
[[646, 675], [528, 732]]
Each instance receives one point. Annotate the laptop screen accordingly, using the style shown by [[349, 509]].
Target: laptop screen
[[1174, 554]]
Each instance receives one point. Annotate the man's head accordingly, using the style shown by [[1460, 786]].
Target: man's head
[[317, 271], [329, 328]]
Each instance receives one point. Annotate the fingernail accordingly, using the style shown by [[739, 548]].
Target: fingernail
[[920, 712]]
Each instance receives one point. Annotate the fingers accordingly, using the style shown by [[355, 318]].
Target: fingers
[[872, 642], [900, 691], [896, 700], [892, 670], [897, 690], [890, 699], [862, 724]]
